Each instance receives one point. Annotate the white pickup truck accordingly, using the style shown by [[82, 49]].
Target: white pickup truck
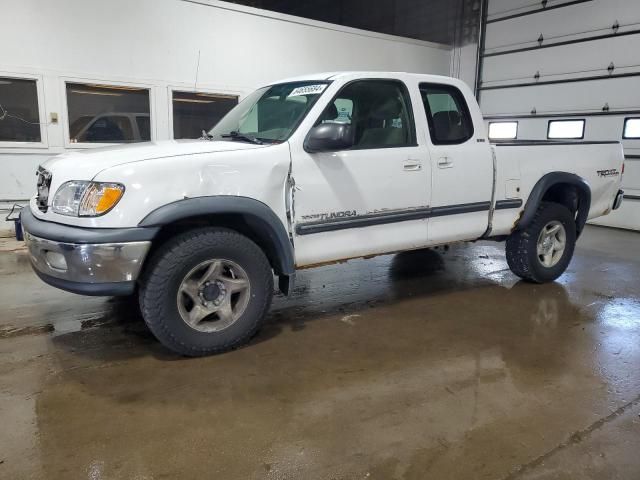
[[302, 173]]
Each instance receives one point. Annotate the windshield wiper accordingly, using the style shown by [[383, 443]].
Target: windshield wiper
[[241, 136]]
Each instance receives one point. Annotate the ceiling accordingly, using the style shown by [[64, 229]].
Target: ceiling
[[452, 22]]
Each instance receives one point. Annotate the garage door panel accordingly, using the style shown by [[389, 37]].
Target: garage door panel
[[619, 93], [604, 127], [572, 59], [575, 21], [502, 8], [631, 177], [499, 8], [568, 61], [628, 216], [631, 147]]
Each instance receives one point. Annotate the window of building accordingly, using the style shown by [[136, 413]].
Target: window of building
[[565, 129], [19, 110], [378, 110], [503, 130], [195, 112], [108, 113], [631, 128], [447, 113]]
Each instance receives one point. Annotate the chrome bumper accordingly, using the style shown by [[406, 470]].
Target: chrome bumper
[[87, 264]]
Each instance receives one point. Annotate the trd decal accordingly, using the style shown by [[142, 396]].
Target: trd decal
[[330, 215], [608, 173]]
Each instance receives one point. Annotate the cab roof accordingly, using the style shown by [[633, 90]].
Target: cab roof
[[324, 76]]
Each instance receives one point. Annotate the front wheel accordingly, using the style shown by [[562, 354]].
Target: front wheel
[[206, 291], [542, 251]]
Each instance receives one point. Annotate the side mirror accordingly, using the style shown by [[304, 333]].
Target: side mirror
[[329, 137]]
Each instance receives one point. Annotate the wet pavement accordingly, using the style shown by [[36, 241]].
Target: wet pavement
[[428, 364]]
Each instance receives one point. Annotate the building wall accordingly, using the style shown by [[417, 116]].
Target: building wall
[[156, 45], [547, 64]]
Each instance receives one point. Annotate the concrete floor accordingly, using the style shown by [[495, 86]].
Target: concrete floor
[[422, 365]]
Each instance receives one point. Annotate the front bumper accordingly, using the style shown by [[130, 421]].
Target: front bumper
[[87, 266]]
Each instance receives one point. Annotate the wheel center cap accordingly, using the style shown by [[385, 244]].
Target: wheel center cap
[[211, 292], [547, 244]]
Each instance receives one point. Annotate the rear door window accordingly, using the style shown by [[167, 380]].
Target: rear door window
[[447, 114]]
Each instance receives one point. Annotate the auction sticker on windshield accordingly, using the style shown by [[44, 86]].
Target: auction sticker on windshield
[[308, 90]]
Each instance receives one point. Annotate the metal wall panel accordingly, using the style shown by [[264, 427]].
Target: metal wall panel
[[619, 93], [577, 60], [566, 75], [498, 8], [561, 24], [503, 8]]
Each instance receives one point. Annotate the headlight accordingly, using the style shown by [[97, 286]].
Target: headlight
[[86, 199]]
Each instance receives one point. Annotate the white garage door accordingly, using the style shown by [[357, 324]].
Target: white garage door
[[547, 62]]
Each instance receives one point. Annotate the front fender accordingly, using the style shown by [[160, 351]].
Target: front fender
[[262, 219]]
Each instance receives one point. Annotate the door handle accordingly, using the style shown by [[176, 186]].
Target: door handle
[[445, 162], [412, 165]]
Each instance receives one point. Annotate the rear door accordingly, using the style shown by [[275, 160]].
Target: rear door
[[373, 197], [462, 166]]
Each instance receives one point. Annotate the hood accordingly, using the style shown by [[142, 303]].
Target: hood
[[86, 164]]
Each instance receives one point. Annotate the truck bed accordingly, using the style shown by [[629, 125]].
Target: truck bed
[[524, 162]]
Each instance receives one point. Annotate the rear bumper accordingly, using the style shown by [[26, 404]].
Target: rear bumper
[[89, 265], [618, 200]]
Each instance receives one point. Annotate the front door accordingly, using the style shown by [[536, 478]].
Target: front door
[[371, 198]]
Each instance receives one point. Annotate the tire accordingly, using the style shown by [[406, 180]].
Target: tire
[[171, 282], [522, 245]]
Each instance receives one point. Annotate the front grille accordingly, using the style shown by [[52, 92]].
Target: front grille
[[44, 182]]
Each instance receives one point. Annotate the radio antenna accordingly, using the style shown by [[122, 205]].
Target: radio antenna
[[197, 70]]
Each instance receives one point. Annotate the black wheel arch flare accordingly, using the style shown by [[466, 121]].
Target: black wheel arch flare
[[545, 184], [263, 220]]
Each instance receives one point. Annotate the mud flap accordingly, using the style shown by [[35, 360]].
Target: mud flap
[[286, 284]]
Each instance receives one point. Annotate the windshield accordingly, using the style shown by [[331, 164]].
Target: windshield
[[270, 114]]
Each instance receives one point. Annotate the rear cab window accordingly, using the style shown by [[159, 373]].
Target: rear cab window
[[447, 113]]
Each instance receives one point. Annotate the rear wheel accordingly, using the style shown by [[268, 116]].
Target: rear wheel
[[206, 291], [542, 251]]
